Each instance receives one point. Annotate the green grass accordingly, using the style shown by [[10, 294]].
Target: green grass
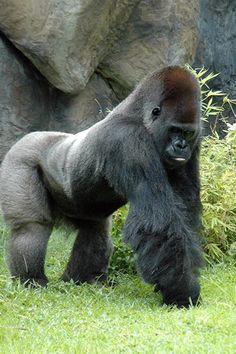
[[127, 318]]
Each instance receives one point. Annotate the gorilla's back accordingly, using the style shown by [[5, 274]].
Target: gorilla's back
[[55, 172]]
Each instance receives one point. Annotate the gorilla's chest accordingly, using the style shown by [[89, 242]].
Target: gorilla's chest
[[90, 200], [96, 200]]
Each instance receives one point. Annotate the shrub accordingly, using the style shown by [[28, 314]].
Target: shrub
[[218, 178], [218, 175], [123, 257]]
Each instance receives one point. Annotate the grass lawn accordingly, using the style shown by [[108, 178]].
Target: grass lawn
[[127, 318]]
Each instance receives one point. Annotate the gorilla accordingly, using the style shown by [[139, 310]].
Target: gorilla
[[145, 152]]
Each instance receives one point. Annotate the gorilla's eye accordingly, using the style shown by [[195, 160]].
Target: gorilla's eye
[[188, 134], [156, 111]]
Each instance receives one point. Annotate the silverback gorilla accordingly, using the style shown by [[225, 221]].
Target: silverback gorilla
[[144, 152]]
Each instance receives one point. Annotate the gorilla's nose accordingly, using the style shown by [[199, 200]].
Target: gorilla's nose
[[180, 144]]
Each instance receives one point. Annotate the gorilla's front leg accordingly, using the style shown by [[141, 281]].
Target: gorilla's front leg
[[90, 254]]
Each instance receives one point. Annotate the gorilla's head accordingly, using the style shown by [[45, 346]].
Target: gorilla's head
[[171, 113]]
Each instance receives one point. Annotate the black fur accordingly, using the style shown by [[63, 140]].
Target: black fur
[[132, 156]]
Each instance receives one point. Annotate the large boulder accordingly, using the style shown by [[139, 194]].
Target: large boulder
[[159, 33], [28, 102], [64, 39]]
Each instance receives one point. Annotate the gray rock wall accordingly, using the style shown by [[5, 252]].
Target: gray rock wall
[[23, 97], [217, 50], [64, 63], [217, 42], [71, 113]]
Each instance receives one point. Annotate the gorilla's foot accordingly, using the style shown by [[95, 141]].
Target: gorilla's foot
[[188, 298], [180, 303], [33, 281], [98, 278]]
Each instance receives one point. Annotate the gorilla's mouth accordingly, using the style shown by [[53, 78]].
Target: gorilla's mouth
[[176, 161], [176, 157], [180, 159]]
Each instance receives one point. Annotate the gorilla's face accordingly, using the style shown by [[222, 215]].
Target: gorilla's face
[[175, 141], [172, 116], [179, 145]]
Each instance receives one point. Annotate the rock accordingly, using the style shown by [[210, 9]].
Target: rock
[[217, 44], [217, 53], [159, 33], [29, 103], [96, 52], [75, 113], [23, 97], [64, 39]]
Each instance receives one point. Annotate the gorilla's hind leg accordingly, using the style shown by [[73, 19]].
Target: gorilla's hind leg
[[26, 253], [90, 254]]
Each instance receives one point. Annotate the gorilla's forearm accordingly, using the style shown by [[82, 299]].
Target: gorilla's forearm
[[174, 265], [158, 227], [169, 257]]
